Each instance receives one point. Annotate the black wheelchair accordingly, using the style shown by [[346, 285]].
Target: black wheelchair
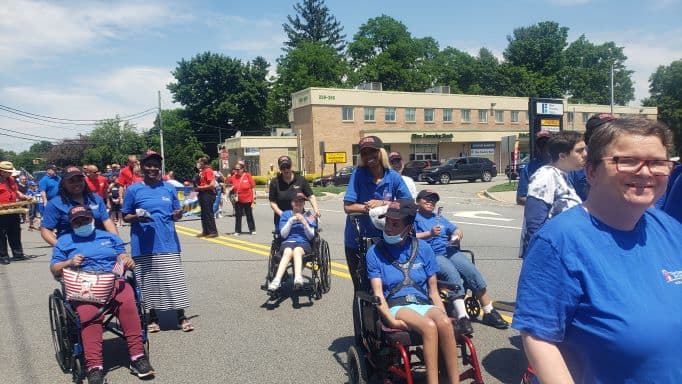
[[387, 355], [318, 261], [471, 304], [66, 326]]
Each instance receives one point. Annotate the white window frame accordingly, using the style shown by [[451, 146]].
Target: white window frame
[[466, 115], [515, 116], [447, 115], [344, 111], [482, 115], [499, 116], [389, 114], [411, 115], [586, 116], [369, 114], [432, 111]]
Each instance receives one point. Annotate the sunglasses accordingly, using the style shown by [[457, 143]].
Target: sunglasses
[[284, 167]]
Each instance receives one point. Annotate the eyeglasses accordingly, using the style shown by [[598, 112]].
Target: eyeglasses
[[627, 164], [396, 161]]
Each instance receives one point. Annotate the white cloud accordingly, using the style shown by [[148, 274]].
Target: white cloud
[[32, 31], [569, 3]]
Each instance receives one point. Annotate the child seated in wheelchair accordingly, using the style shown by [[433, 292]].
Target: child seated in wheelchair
[[296, 229], [443, 236], [402, 273], [94, 250]]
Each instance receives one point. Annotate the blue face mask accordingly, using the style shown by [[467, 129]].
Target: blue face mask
[[392, 239], [85, 230]]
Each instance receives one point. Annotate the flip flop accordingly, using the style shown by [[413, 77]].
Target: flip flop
[[153, 327], [187, 326]]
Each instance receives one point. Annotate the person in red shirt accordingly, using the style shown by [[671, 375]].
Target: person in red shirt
[[207, 194], [244, 187], [97, 183], [126, 176], [10, 229]]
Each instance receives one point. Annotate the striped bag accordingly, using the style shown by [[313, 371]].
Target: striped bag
[[91, 287]]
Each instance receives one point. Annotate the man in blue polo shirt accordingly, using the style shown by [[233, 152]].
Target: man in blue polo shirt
[[49, 184]]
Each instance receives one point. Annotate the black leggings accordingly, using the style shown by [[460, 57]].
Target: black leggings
[[154, 317]]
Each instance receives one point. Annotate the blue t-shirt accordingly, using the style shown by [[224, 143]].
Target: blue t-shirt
[[437, 243], [158, 235], [673, 197], [578, 180], [50, 185], [611, 300], [424, 266], [361, 188], [297, 232], [56, 215], [100, 249]]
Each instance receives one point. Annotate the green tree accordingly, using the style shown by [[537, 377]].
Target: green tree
[[383, 50], [112, 141], [32, 159], [665, 88], [539, 49], [587, 74], [311, 64], [456, 69], [216, 90], [314, 23], [180, 146], [69, 152]]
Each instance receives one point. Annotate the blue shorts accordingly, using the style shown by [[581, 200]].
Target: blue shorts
[[419, 308], [294, 244]]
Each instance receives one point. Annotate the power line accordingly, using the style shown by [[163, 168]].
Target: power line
[[26, 134], [45, 125], [37, 116]]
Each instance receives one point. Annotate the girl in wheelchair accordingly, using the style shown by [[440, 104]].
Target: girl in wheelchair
[[296, 230], [93, 250], [402, 273]]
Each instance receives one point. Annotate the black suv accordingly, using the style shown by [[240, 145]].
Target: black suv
[[414, 168], [461, 168], [342, 177]]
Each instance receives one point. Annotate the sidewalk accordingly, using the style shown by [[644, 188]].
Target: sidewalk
[[505, 197]]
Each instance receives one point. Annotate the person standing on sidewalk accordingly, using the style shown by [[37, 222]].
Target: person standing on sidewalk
[[244, 188], [10, 229], [207, 194]]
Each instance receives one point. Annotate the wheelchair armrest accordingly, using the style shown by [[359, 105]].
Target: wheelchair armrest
[[368, 298], [449, 288], [471, 254]]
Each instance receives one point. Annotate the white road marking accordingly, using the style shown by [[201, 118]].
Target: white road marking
[[485, 215], [489, 225]]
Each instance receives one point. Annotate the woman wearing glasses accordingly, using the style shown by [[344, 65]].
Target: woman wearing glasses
[[600, 290], [285, 186]]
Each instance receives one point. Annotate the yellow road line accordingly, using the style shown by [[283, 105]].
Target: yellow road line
[[193, 232]]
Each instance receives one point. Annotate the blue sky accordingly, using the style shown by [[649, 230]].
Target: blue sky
[[91, 60]]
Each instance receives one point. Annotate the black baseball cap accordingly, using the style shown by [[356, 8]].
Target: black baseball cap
[[72, 171], [284, 161], [79, 211], [370, 142], [402, 209], [428, 194], [150, 155]]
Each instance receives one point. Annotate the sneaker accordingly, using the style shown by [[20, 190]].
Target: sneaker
[[212, 235], [96, 376], [253, 232], [200, 235], [298, 282], [141, 367], [463, 326], [4, 260], [236, 234], [495, 320], [274, 285], [19, 257]]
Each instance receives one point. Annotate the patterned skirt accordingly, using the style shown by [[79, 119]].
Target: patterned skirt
[[161, 279]]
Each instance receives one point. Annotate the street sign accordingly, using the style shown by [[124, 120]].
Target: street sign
[[334, 157]]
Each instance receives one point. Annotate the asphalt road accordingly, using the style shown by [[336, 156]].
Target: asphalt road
[[239, 338]]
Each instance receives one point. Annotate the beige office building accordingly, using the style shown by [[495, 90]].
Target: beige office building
[[419, 125]]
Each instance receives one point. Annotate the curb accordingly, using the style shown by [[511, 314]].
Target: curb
[[491, 197]]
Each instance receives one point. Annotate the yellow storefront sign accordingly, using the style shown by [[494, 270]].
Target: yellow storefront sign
[[550, 122], [334, 157]]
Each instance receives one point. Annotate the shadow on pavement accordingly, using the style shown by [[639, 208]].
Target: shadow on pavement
[[339, 347]]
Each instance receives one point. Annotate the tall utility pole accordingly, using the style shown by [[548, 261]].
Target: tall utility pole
[[612, 88], [163, 157]]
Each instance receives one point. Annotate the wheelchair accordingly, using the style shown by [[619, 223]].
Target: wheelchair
[[65, 325], [471, 304], [318, 261], [387, 355]]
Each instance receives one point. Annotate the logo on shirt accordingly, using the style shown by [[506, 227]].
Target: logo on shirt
[[106, 243], [417, 265], [674, 277], [165, 198]]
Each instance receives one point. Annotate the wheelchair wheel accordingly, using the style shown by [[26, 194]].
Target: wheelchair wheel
[[325, 267], [472, 307], [272, 265], [357, 367], [60, 331]]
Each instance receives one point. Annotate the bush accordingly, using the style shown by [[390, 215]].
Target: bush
[[260, 180]]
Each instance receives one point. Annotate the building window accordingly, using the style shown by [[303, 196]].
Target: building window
[[514, 116], [447, 115], [482, 116], [411, 114], [369, 113], [586, 116], [499, 116], [423, 152], [347, 113], [389, 114], [570, 117], [466, 115], [428, 115]]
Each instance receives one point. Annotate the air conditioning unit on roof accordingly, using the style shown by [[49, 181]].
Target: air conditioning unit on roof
[[371, 86], [439, 89]]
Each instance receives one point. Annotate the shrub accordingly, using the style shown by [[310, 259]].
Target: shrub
[[260, 180]]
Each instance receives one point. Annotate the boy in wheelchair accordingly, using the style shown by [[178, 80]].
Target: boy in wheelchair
[[93, 250], [443, 236], [296, 230], [402, 273]]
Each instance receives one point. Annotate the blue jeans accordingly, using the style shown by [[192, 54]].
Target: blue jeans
[[457, 268], [216, 203]]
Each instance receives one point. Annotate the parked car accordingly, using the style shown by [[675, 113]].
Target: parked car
[[461, 168], [414, 168], [513, 173], [340, 178]]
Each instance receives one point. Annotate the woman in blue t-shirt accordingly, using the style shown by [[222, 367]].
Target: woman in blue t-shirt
[[296, 229], [600, 290], [73, 191], [414, 303], [152, 207]]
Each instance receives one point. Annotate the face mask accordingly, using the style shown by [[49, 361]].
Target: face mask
[[85, 230], [392, 239]]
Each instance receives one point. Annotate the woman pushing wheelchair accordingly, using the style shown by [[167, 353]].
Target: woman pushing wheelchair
[[402, 273], [94, 250]]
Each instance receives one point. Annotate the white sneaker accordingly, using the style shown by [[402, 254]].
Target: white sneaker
[[236, 234], [253, 232], [274, 285], [298, 282]]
